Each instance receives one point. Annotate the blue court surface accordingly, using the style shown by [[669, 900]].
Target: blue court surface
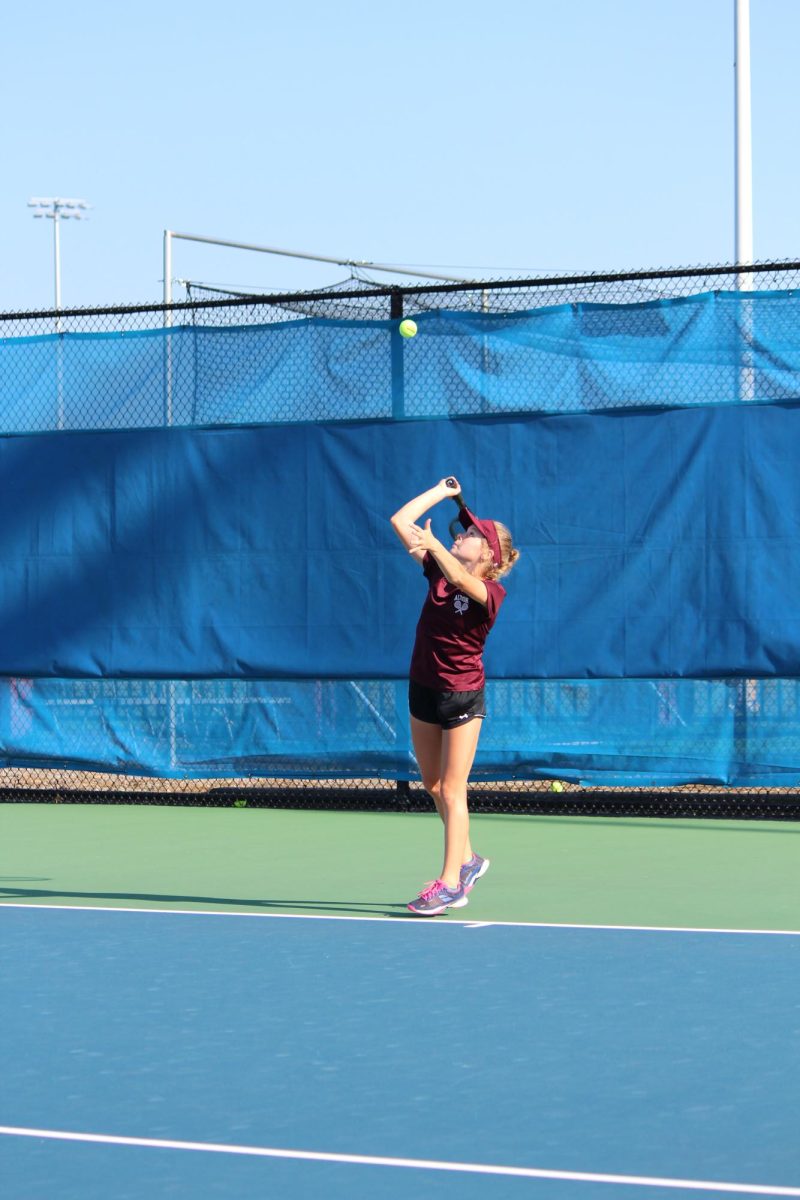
[[198, 1055]]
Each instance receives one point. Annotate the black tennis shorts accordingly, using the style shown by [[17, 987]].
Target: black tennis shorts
[[447, 709]]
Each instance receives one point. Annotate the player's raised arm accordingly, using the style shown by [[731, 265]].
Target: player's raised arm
[[407, 516]]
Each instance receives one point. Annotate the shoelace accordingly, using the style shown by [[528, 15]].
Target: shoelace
[[431, 889], [432, 885]]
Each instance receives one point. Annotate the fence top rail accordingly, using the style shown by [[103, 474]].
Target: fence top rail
[[280, 299]]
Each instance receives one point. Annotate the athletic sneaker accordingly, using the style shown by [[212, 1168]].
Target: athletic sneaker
[[472, 871], [436, 898]]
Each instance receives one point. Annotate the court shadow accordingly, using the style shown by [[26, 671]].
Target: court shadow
[[222, 903]]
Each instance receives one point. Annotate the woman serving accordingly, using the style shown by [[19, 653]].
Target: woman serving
[[446, 678]]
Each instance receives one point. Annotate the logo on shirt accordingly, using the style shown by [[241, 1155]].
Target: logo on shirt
[[461, 603]]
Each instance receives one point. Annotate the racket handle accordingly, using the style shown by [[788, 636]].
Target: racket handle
[[459, 499]]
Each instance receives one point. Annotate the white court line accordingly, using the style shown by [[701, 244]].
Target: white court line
[[419, 1164], [213, 912]]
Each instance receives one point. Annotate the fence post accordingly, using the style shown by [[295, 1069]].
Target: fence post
[[398, 377], [402, 788]]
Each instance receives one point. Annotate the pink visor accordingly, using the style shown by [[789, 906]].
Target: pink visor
[[486, 529]]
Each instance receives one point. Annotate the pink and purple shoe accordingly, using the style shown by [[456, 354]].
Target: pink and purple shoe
[[436, 898], [472, 871]]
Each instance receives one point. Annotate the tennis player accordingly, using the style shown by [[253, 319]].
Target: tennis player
[[446, 685]]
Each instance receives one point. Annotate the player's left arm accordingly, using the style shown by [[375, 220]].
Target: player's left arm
[[451, 568]]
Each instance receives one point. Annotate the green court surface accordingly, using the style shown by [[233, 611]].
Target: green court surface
[[573, 870]]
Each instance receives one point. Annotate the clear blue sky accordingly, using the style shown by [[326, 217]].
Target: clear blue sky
[[481, 138]]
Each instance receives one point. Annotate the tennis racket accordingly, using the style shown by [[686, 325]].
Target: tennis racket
[[455, 525]]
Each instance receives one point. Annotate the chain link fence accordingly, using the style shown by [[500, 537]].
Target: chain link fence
[[153, 392]]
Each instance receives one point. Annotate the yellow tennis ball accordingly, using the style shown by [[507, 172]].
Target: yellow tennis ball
[[408, 329], [556, 786]]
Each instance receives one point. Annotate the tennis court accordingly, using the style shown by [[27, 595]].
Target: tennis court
[[205, 612], [235, 1003]]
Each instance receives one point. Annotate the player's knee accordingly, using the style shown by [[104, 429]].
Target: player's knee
[[453, 793], [432, 786]]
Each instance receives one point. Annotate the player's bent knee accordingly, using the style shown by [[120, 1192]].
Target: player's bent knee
[[454, 795]]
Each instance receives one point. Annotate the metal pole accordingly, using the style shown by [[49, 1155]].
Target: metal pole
[[59, 343], [402, 788], [396, 348], [168, 273], [744, 141], [340, 262], [54, 207], [168, 402], [57, 255], [744, 193], [485, 356], [744, 255], [172, 693]]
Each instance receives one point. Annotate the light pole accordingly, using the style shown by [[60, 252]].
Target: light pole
[[743, 161], [57, 210], [744, 140]]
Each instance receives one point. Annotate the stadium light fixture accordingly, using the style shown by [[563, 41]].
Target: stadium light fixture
[[58, 209]]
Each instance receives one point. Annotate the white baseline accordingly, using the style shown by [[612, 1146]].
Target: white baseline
[[413, 922], [419, 1164]]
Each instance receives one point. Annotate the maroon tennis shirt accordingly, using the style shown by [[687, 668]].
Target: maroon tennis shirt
[[451, 631]]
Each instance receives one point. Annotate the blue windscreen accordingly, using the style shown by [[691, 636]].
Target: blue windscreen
[[640, 733], [710, 349], [653, 544], [198, 576]]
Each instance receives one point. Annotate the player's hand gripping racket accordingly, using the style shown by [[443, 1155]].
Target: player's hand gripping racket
[[459, 499], [455, 525]]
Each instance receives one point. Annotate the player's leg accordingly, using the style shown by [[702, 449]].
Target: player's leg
[[427, 742], [458, 753]]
